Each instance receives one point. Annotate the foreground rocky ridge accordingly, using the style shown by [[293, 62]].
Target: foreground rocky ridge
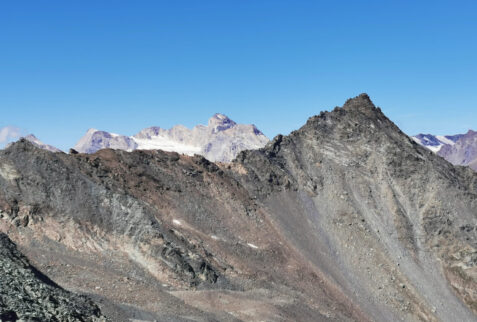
[[345, 219]]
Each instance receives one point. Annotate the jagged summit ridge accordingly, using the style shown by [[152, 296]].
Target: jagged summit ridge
[[220, 122], [360, 102], [358, 119], [221, 140]]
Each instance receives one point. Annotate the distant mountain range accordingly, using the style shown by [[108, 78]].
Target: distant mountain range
[[460, 149], [221, 140]]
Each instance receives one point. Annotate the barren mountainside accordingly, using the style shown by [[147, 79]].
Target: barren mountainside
[[345, 219]]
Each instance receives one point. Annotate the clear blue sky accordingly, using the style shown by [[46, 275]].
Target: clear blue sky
[[120, 66]]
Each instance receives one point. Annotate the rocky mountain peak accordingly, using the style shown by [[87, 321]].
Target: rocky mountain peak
[[91, 131], [471, 133], [22, 144], [358, 119], [30, 137], [33, 140], [220, 122], [361, 102]]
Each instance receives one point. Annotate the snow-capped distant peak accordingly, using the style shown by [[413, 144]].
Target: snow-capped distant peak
[[435, 142], [221, 140], [220, 122], [220, 116], [445, 139], [95, 140]]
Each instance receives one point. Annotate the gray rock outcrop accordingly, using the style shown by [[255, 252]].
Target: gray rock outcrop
[[28, 295]]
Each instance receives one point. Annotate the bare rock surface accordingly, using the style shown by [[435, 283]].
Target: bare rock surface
[[28, 295], [345, 219]]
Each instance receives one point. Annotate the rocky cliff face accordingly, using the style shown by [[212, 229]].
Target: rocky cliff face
[[221, 140], [345, 219]]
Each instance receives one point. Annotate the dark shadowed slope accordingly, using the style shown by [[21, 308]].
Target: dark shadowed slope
[[345, 219], [27, 294]]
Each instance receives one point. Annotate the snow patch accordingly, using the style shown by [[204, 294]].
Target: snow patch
[[252, 246], [445, 140], [165, 144], [416, 140], [436, 148]]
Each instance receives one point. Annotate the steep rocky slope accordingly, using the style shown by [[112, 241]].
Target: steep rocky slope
[[388, 210], [28, 295], [345, 219], [221, 140]]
